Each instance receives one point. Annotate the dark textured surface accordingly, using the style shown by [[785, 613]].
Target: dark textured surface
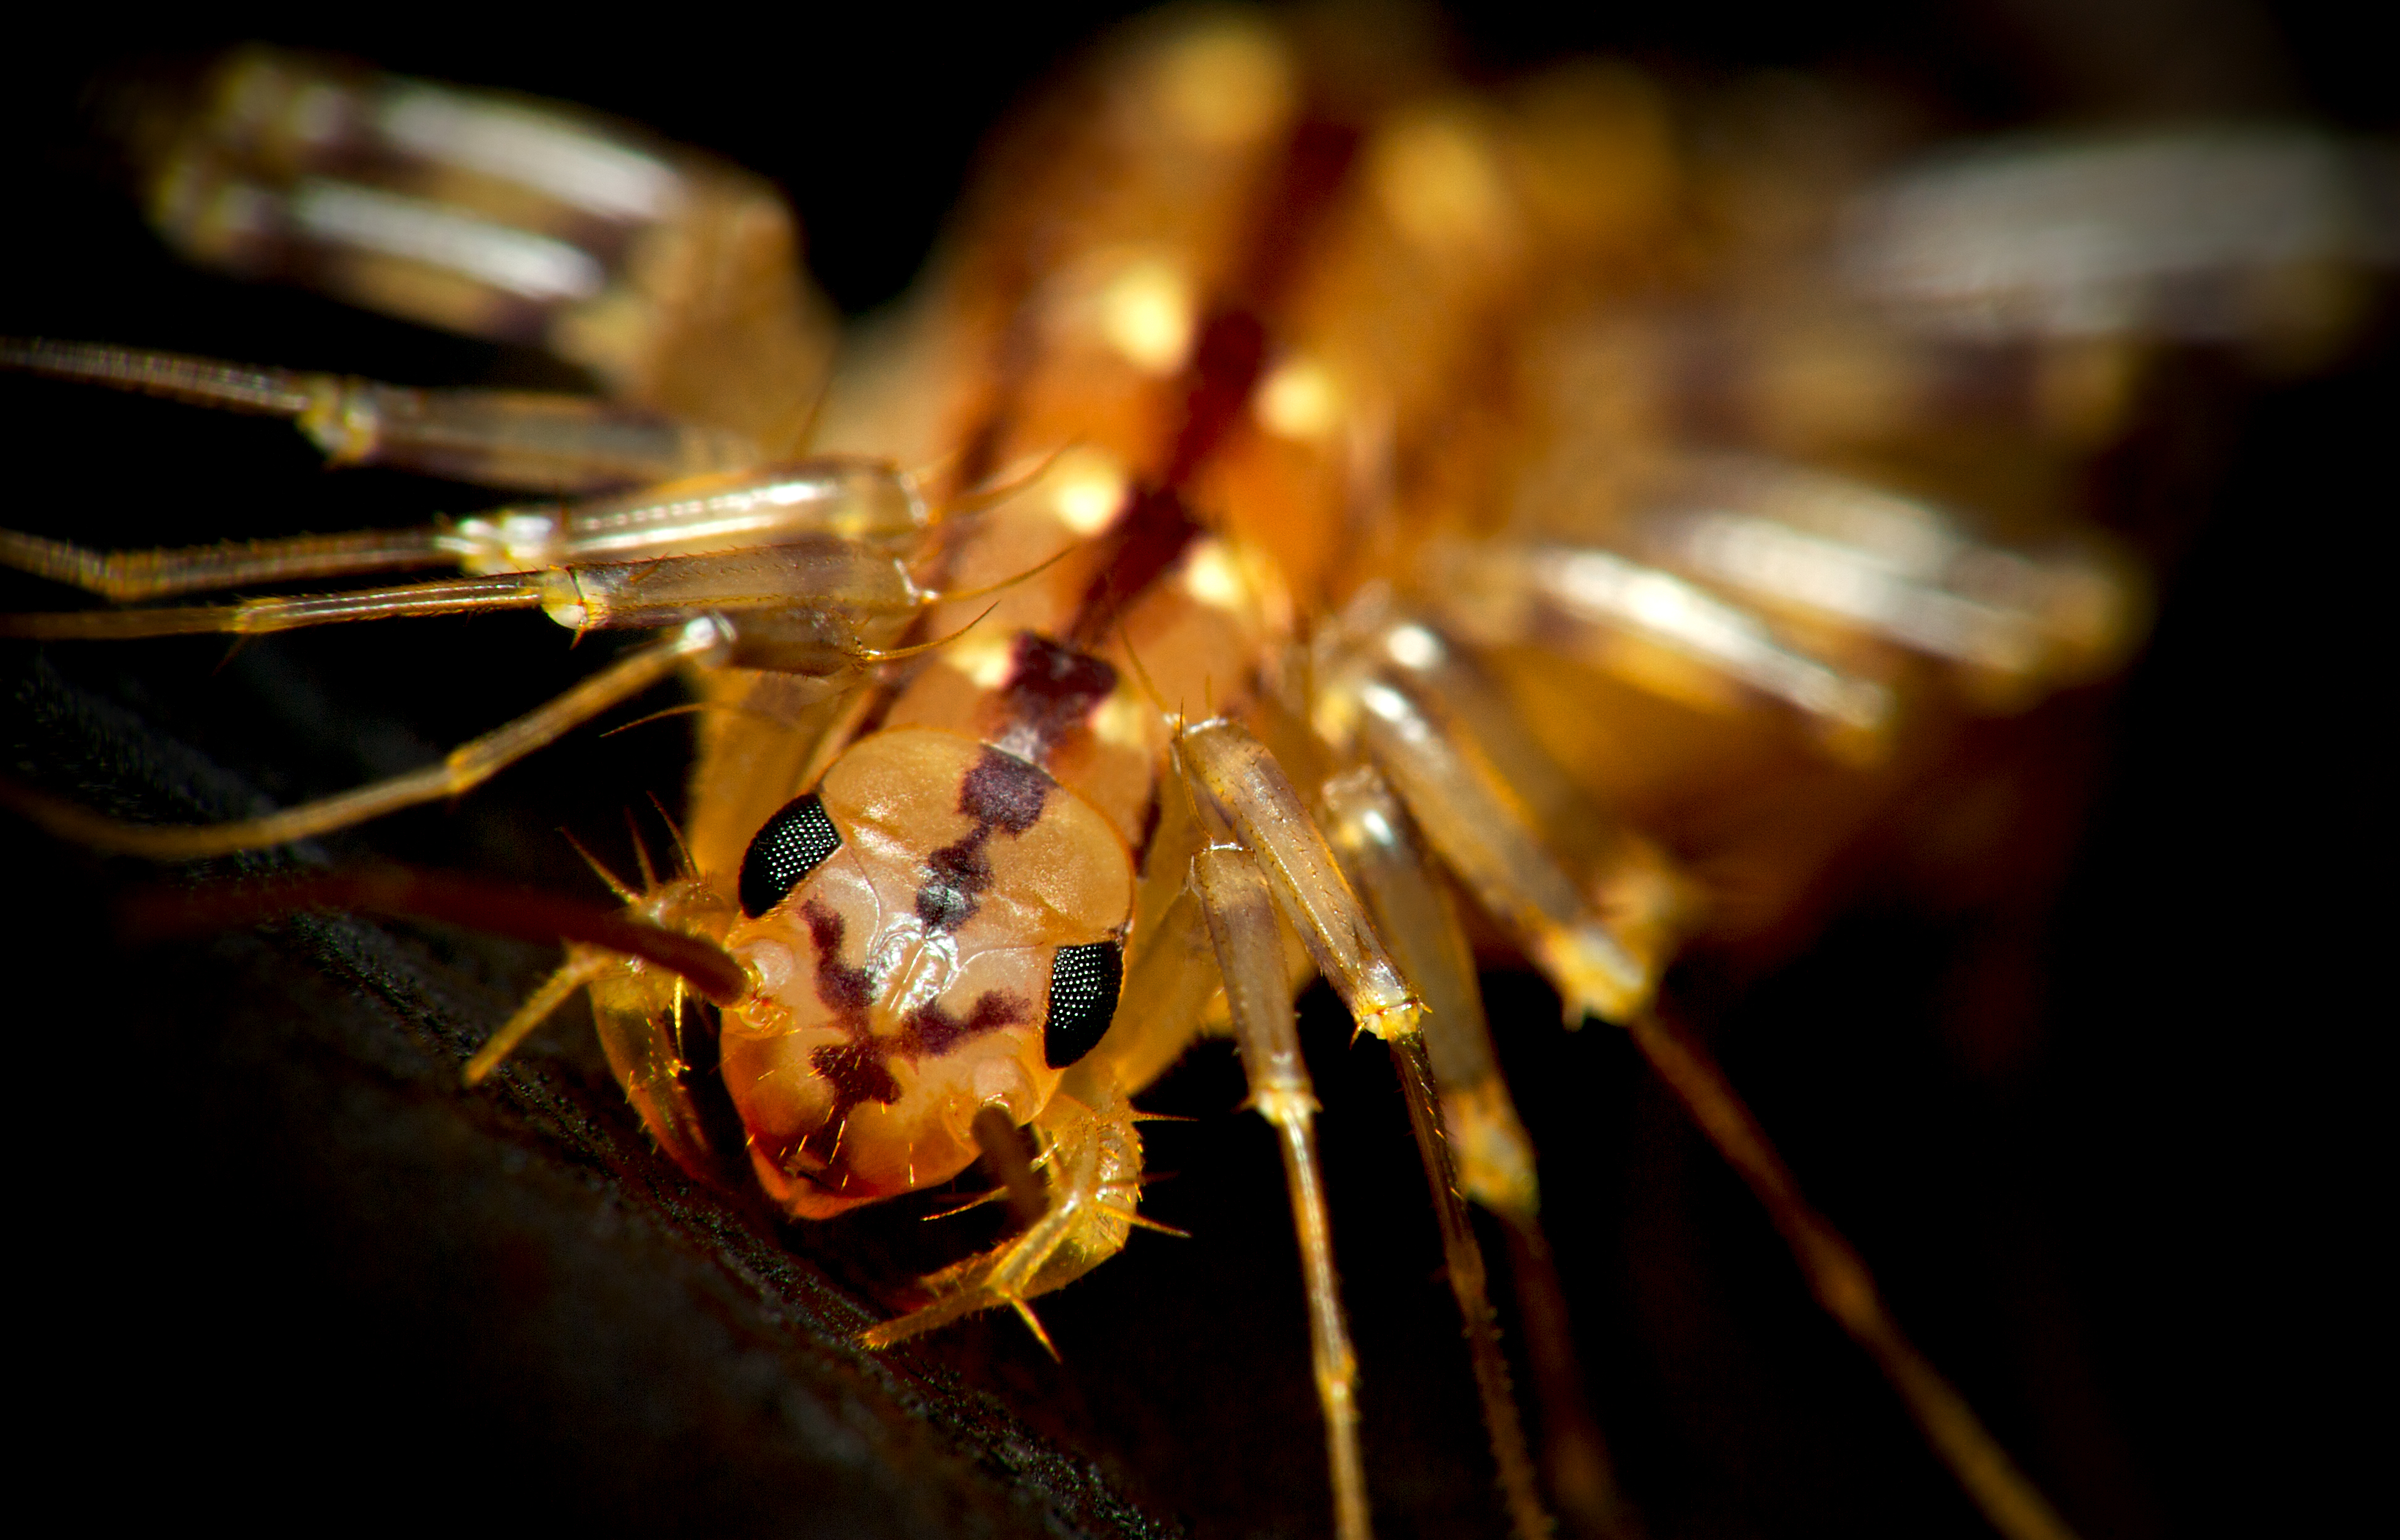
[[330, 1268], [2090, 1107]]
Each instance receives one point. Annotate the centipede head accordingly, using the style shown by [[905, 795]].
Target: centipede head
[[935, 928]]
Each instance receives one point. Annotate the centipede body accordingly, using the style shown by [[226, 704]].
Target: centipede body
[[245, 1204]]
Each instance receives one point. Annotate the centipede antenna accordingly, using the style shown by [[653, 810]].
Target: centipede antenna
[[602, 873], [464, 768], [408, 894]]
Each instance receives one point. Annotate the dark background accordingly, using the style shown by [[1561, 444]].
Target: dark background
[[2097, 1113]]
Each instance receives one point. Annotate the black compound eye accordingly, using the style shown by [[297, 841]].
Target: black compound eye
[[1083, 982], [788, 847]]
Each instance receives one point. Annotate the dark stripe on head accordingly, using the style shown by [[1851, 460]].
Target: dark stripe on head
[[857, 1074], [846, 991], [1004, 792], [1001, 792], [932, 1032]]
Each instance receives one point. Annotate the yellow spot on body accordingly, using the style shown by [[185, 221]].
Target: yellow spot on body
[[1147, 313], [1225, 85], [1087, 487], [985, 660], [1124, 721], [1435, 177], [1413, 647], [1298, 400], [1212, 575]]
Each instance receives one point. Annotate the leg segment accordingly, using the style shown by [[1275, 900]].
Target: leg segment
[[1249, 952], [867, 510], [522, 440], [1501, 861], [1473, 1143], [1839, 1278], [257, 617], [1245, 781], [1608, 964], [468, 765], [128, 575], [1089, 1207], [674, 278]]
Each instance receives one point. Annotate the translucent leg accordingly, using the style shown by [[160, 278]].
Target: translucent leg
[[1086, 1210], [126, 575], [1250, 952], [527, 440], [674, 278], [582, 965], [858, 516], [1842, 1284], [468, 765], [1243, 781], [1478, 833], [256, 616], [1473, 1144]]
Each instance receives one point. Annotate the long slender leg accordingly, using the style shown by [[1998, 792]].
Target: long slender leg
[[524, 441], [1250, 952], [1587, 603], [867, 510], [466, 765], [1245, 781], [582, 965], [1839, 1278], [1298, 867], [126, 575], [1600, 969], [674, 278], [1475, 830], [256, 616], [1461, 1107]]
